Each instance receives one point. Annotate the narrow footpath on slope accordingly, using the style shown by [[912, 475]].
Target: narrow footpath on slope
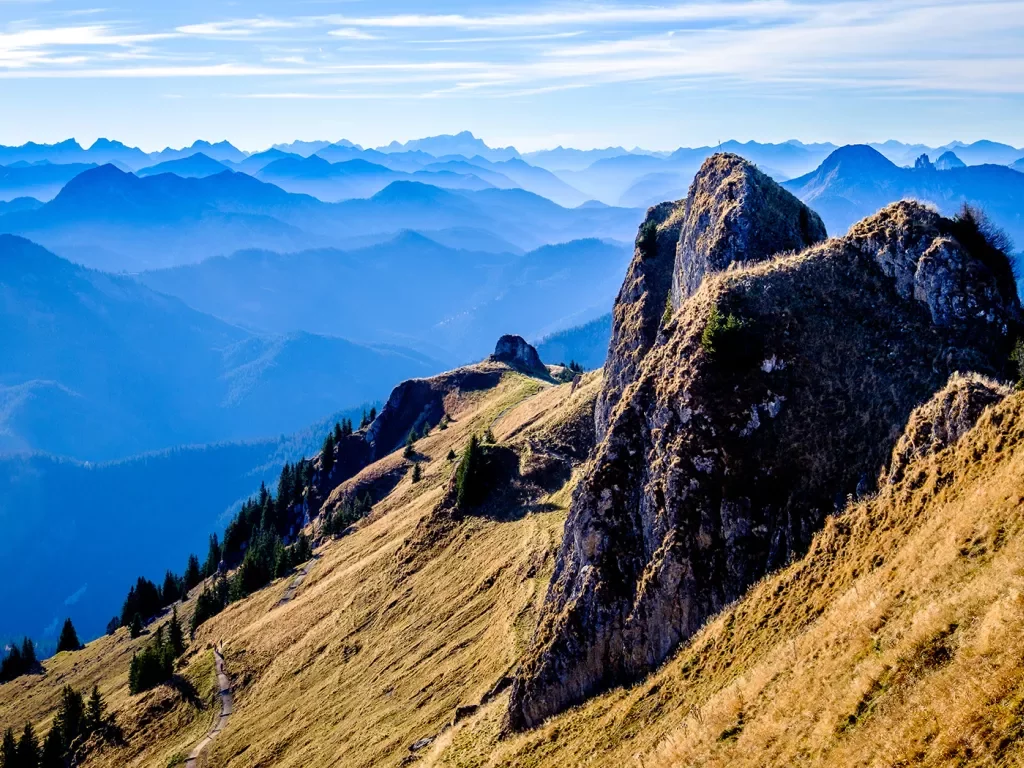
[[296, 582], [226, 708]]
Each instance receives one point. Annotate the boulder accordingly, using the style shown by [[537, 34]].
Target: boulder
[[516, 352]]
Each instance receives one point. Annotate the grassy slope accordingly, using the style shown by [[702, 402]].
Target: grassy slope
[[896, 641], [396, 626], [159, 726]]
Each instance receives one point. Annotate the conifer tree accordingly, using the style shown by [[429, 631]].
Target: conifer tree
[[417, 473], [175, 637], [95, 710], [327, 455], [213, 557], [70, 717], [28, 748], [9, 750], [192, 575], [468, 482], [451, 454], [136, 626], [373, 414], [171, 590], [53, 750], [68, 638], [28, 654], [113, 625]]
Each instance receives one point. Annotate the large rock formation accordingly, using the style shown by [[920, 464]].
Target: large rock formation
[[515, 351], [733, 214], [737, 214], [775, 391]]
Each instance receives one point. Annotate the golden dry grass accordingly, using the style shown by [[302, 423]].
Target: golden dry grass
[[898, 640], [373, 654]]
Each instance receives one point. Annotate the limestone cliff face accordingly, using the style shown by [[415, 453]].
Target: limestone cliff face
[[736, 214], [733, 214], [640, 305], [775, 391]]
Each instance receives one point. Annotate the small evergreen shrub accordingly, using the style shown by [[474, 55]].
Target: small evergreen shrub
[[647, 240]]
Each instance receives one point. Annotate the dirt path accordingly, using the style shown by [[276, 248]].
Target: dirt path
[[226, 708], [296, 582]]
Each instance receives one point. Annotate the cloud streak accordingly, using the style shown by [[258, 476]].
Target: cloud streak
[[899, 45]]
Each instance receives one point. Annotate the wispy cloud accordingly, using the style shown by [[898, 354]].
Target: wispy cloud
[[350, 33], [926, 45]]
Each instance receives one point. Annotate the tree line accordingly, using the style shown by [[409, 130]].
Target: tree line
[[75, 722]]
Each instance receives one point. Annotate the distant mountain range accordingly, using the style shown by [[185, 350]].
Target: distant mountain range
[[855, 181], [615, 175], [450, 302], [113, 220], [97, 366]]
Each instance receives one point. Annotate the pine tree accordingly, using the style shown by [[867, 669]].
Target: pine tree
[[489, 436], [53, 750], [70, 717], [192, 575], [95, 710], [68, 638], [28, 654], [338, 434], [373, 414], [417, 473], [136, 626], [171, 590], [451, 454], [213, 557], [175, 637], [327, 455], [9, 750], [409, 451], [468, 481], [365, 421], [113, 625], [28, 748]]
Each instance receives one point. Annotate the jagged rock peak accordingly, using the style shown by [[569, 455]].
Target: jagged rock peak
[[640, 306], [775, 392], [944, 419], [736, 213], [517, 352]]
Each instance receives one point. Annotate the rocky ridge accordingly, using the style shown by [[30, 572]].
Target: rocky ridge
[[756, 413]]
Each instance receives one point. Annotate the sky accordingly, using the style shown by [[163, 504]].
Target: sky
[[532, 74]]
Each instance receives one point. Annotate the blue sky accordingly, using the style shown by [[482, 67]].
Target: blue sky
[[533, 74]]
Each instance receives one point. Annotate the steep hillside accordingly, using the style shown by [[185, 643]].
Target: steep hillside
[[98, 367], [895, 641], [421, 609], [108, 522]]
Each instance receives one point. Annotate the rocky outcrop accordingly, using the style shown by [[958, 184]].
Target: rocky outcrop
[[733, 214], [777, 389], [737, 214], [515, 351], [640, 305], [944, 419]]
